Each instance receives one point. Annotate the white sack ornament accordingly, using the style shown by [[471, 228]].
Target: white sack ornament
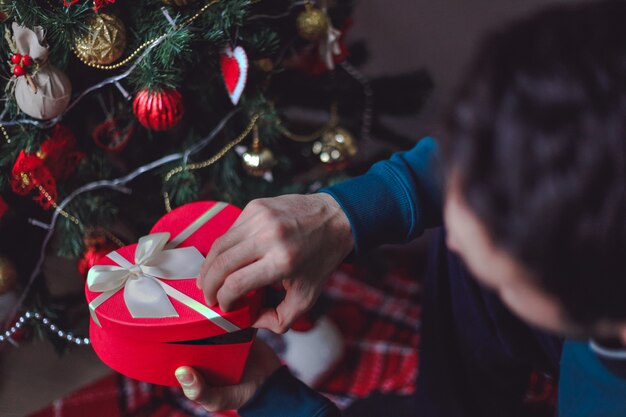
[[49, 93]]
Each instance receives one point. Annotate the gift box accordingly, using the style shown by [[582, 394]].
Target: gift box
[[147, 315]]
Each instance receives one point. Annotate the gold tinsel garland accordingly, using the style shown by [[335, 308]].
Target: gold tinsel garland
[[199, 165]]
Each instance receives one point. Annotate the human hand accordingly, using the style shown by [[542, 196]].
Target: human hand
[[262, 363], [295, 240]]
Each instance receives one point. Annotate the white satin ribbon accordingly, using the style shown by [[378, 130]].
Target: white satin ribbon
[[145, 294]]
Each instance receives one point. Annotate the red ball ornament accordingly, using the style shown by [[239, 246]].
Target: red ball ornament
[[159, 110], [18, 71], [16, 58], [91, 257], [27, 61], [97, 246]]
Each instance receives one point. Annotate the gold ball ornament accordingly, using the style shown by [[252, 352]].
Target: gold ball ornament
[[178, 2], [258, 160], [105, 42], [336, 145], [8, 275], [312, 23]]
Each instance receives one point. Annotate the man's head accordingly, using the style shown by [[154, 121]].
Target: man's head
[[536, 168]]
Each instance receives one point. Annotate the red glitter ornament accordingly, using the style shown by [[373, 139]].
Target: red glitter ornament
[[56, 159], [159, 110], [28, 173]]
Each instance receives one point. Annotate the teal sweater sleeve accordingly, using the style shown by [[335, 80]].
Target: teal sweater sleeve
[[396, 199], [282, 395]]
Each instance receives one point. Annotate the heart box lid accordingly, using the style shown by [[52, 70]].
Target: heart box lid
[[192, 225]]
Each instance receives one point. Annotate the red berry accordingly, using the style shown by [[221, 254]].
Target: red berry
[[18, 70], [16, 58], [27, 61]]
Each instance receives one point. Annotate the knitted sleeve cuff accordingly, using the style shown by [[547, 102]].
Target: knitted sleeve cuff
[[284, 395]]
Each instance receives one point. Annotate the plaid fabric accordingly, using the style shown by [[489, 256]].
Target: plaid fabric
[[380, 324]]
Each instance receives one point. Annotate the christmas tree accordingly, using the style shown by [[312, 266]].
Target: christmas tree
[[115, 112]]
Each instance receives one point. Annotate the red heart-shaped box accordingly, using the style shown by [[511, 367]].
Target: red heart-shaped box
[[151, 349]]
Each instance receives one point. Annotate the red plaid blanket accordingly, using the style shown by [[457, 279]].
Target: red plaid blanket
[[380, 324]]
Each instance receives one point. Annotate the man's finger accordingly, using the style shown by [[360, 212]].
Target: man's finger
[[238, 232], [222, 244], [240, 282], [280, 319], [224, 264]]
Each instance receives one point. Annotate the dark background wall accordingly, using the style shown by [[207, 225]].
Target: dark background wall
[[438, 35]]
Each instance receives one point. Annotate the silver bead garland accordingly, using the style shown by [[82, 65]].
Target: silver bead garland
[[33, 316]]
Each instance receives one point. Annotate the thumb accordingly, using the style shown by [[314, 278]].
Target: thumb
[[190, 382], [211, 398]]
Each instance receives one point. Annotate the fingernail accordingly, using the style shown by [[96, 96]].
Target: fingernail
[[185, 377], [209, 302]]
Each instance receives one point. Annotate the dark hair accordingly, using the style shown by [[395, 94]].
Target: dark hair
[[537, 134]]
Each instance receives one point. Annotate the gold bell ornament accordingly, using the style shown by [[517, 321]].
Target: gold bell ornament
[[258, 160]]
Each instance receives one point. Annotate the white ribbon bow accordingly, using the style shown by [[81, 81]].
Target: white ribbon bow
[[143, 292], [145, 295]]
